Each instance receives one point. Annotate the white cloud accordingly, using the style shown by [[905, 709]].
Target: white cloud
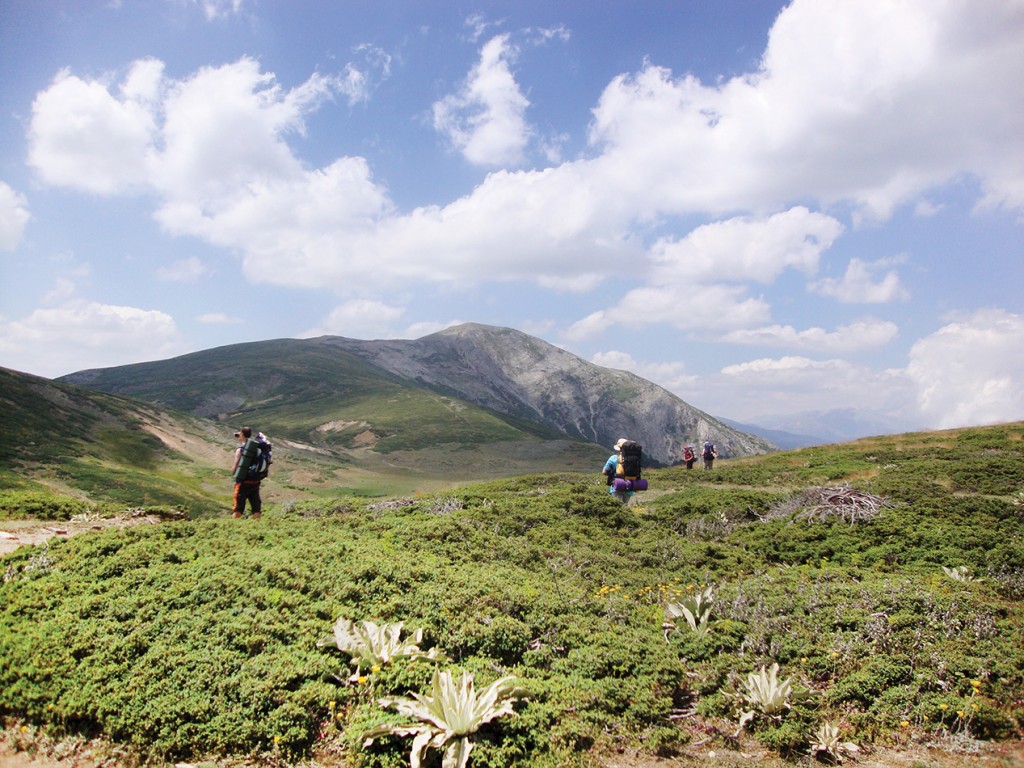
[[84, 334], [83, 137], [485, 120], [359, 81], [855, 337], [857, 285], [14, 216], [872, 103], [359, 319], [793, 384], [183, 271], [971, 371], [746, 248]]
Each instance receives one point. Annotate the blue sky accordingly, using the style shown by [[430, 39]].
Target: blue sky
[[773, 210]]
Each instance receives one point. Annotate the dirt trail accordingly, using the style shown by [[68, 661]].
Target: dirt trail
[[19, 533]]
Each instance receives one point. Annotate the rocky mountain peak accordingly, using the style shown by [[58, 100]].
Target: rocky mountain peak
[[514, 373]]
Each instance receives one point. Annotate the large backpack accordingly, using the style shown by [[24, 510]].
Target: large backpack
[[631, 461], [254, 464], [709, 450]]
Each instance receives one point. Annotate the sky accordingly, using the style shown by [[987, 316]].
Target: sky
[[773, 210]]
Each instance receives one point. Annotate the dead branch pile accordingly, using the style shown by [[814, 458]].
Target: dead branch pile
[[821, 504]]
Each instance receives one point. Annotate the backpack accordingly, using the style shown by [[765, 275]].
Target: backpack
[[709, 450], [256, 459], [688, 454], [631, 460]]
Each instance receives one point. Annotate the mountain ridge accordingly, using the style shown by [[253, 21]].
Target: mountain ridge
[[519, 378]]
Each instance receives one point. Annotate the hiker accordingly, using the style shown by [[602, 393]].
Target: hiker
[[611, 469], [689, 456], [246, 488], [709, 454]]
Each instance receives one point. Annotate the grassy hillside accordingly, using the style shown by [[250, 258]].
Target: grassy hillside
[[311, 393], [885, 578], [106, 448], [376, 438]]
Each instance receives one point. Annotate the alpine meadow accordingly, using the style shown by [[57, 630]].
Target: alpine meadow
[[441, 579]]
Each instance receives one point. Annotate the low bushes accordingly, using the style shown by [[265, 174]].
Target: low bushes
[[200, 638]]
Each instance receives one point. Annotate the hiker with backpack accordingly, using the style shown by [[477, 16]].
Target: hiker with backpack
[[622, 470], [252, 464], [689, 456], [709, 453]]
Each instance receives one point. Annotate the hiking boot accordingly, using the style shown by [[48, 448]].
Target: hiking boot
[[236, 514], [257, 515]]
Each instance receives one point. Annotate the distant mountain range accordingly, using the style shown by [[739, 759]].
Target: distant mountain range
[[838, 425], [469, 385]]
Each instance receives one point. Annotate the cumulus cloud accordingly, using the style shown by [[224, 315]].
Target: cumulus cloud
[[971, 371], [14, 216], [699, 282], [485, 121], [855, 337], [858, 286], [747, 248], [359, 319], [84, 137], [871, 104], [86, 334]]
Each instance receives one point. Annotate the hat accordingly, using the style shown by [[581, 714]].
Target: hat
[[619, 443]]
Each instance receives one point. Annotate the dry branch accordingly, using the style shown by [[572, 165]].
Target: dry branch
[[820, 504]]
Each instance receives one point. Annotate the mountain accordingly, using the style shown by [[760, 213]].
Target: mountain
[[468, 385]]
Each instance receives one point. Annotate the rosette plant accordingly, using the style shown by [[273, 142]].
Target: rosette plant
[[448, 714], [371, 645]]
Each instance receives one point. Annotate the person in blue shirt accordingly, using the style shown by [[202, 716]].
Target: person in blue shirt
[[611, 470]]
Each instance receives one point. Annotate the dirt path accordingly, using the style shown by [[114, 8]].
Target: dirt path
[[19, 533]]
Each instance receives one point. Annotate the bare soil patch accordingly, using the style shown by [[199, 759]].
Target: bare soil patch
[[20, 533]]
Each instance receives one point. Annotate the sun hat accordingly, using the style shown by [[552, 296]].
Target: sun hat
[[618, 444]]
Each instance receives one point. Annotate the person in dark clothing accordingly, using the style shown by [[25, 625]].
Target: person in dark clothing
[[248, 489]]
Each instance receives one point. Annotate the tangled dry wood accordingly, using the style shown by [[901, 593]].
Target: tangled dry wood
[[820, 504]]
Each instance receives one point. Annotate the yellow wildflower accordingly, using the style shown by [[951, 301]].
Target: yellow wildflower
[[943, 707], [375, 668], [905, 723]]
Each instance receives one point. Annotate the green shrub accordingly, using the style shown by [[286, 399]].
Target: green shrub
[[198, 639], [19, 505]]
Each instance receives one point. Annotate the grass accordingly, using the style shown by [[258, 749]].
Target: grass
[[199, 639]]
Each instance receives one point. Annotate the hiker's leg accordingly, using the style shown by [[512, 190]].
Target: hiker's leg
[[256, 502], [239, 501]]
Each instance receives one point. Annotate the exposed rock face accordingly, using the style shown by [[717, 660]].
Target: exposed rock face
[[519, 375]]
